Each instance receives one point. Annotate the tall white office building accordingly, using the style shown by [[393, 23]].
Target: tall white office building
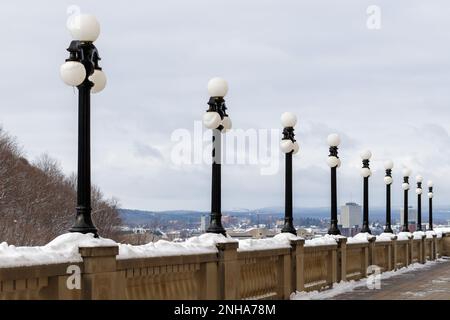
[[412, 216], [351, 215], [203, 223]]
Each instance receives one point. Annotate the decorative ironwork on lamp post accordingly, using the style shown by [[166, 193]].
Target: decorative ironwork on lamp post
[[405, 187], [388, 165], [430, 204], [218, 120], [333, 162], [82, 70], [366, 173], [289, 146], [419, 180]]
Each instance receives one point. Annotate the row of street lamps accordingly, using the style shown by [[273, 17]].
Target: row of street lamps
[[216, 119], [82, 70], [334, 162]]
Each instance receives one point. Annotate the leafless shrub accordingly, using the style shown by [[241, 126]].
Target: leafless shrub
[[37, 201]]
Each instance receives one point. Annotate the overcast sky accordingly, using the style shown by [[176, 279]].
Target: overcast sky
[[386, 90]]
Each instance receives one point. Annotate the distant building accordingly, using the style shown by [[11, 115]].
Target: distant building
[[255, 233], [350, 215], [173, 235], [412, 218], [139, 230], [307, 233], [203, 223], [279, 223], [350, 219]]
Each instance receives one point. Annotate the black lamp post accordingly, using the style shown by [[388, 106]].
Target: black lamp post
[[333, 162], [81, 69], [365, 173], [405, 187], [419, 180], [388, 165], [289, 146], [430, 204], [216, 119]]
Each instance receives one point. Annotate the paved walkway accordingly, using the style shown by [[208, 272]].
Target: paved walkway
[[430, 283]]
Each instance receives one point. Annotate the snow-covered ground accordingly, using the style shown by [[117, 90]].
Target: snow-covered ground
[[348, 286]]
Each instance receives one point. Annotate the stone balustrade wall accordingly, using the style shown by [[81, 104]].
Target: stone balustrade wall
[[228, 274]]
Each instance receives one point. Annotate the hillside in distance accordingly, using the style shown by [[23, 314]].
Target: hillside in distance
[[303, 215]]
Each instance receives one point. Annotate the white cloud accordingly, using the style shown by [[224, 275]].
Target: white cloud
[[386, 90]]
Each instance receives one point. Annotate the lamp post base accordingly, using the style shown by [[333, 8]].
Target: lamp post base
[[288, 227], [85, 230], [334, 230], [217, 230], [405, 229], [366, 229], [215, 225], [83, 222], [388, 230]]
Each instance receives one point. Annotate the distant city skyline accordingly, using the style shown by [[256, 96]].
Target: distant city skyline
[[383, 89]]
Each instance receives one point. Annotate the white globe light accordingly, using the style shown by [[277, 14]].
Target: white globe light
[[430, 195], [217, 87], [388, 180], [405, 186], [366, 154], [99, 80], [419, 178], [365, 172], [286, 145], [332, 161], [333, 140], [226, 123], [84, 27], [296, 147], [388, 164], [419, 191], [406, 172], [72, 73], [430, 183], [288, 119], [211, 120]]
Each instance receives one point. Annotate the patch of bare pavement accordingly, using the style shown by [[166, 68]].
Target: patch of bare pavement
[[431, 283]]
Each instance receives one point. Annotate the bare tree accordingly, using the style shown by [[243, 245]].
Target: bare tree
[[37, 201]]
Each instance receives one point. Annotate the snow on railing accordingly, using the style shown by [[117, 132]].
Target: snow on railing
[[62, 249], [208, 266]]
